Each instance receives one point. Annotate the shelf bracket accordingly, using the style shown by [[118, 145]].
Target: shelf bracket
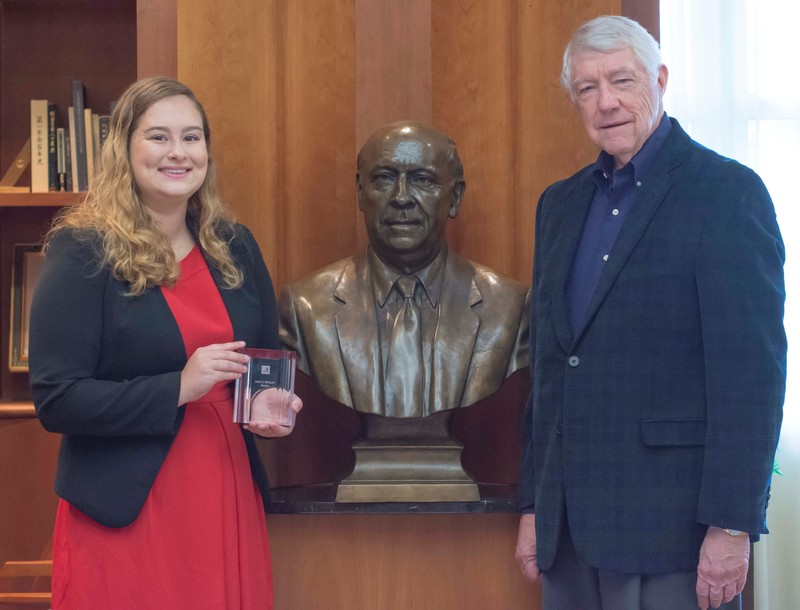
[[21, 162]]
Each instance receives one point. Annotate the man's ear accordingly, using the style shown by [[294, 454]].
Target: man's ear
[[458, 194], [663, 76]]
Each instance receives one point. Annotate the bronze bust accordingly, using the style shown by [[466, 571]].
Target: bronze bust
[[409, 182], [407, 329]]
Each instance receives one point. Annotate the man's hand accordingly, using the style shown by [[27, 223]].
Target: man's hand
[[722, 570], [526, 548]]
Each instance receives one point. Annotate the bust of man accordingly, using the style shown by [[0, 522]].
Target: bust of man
[[407, 328]]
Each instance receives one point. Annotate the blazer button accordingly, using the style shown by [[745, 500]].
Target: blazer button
[[573, 361]]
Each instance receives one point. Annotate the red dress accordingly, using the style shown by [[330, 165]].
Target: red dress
[[200, 541]]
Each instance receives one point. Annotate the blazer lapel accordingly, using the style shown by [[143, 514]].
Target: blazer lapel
[[570, 217], [358, 341], [456, 334], [655, 186]]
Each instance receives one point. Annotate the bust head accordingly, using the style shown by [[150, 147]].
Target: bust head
[[409, 181]]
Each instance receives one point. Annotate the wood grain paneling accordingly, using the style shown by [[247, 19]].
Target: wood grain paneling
[[393, 63], [393, 562], [156, 42], [319, 218]]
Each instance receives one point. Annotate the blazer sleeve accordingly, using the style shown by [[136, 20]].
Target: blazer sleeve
[[527, 472], [741, 291], [67, 338]]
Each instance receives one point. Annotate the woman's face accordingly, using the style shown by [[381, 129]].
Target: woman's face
[[169, 154]]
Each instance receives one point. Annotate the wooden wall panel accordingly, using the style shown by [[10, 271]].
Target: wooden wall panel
[[397, 562], [156, 42], [393, 63], [319, 216]]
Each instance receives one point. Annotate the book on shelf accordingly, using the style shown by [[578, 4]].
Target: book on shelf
[[61, 164], [73, 153], [88, 129], [96, 139], [67, 161], [79, 161], [40, 174], [104, 125], [52, 151]]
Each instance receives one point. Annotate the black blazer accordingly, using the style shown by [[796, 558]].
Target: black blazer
[[660, 415], [105, 371]]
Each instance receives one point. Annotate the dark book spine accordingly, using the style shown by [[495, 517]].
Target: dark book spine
[[52, 148], [62, 148], [78, 105], [67, 162], [104, 125]]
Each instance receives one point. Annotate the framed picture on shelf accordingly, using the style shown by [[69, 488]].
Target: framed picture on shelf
[[27, 263]]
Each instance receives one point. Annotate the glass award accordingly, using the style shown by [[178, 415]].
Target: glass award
[[264, 392]]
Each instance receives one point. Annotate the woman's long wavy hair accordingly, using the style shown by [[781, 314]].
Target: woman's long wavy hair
[[134, 247]]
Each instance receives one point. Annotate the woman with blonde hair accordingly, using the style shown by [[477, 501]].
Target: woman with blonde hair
[[148, 291]]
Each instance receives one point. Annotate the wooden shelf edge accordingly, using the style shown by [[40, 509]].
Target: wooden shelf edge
[[25, 598], [27, 200], [17, 410]]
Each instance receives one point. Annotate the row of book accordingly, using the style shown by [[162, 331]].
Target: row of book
[[65, 158]]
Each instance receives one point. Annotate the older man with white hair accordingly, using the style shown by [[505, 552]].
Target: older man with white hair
[[657, 351]]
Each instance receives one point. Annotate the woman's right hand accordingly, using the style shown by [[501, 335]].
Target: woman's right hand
[[210, 365]]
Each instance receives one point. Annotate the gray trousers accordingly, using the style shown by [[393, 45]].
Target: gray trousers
[[572, 584]]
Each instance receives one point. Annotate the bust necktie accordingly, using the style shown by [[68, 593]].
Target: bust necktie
[[404, 377]]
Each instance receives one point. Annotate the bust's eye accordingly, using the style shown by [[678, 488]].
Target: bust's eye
[[424, 181], [382, 179]]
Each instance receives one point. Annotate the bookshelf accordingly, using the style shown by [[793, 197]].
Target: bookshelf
[[44, 45]]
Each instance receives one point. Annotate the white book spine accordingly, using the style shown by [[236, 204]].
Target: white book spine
[[40, 177]]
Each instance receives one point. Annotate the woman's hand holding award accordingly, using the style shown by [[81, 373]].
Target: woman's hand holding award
[[264, 399]]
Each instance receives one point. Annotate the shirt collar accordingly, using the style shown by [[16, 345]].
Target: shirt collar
[[384, 278], [603, 172]]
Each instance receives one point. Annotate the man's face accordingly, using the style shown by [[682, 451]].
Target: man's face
[[618, 102], [406, 192]]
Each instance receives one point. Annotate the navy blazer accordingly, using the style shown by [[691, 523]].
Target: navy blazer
[[105, 371], [660, 415]]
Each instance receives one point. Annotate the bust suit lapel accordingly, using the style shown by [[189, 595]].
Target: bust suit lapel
[[456, 334], [359, 342]]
